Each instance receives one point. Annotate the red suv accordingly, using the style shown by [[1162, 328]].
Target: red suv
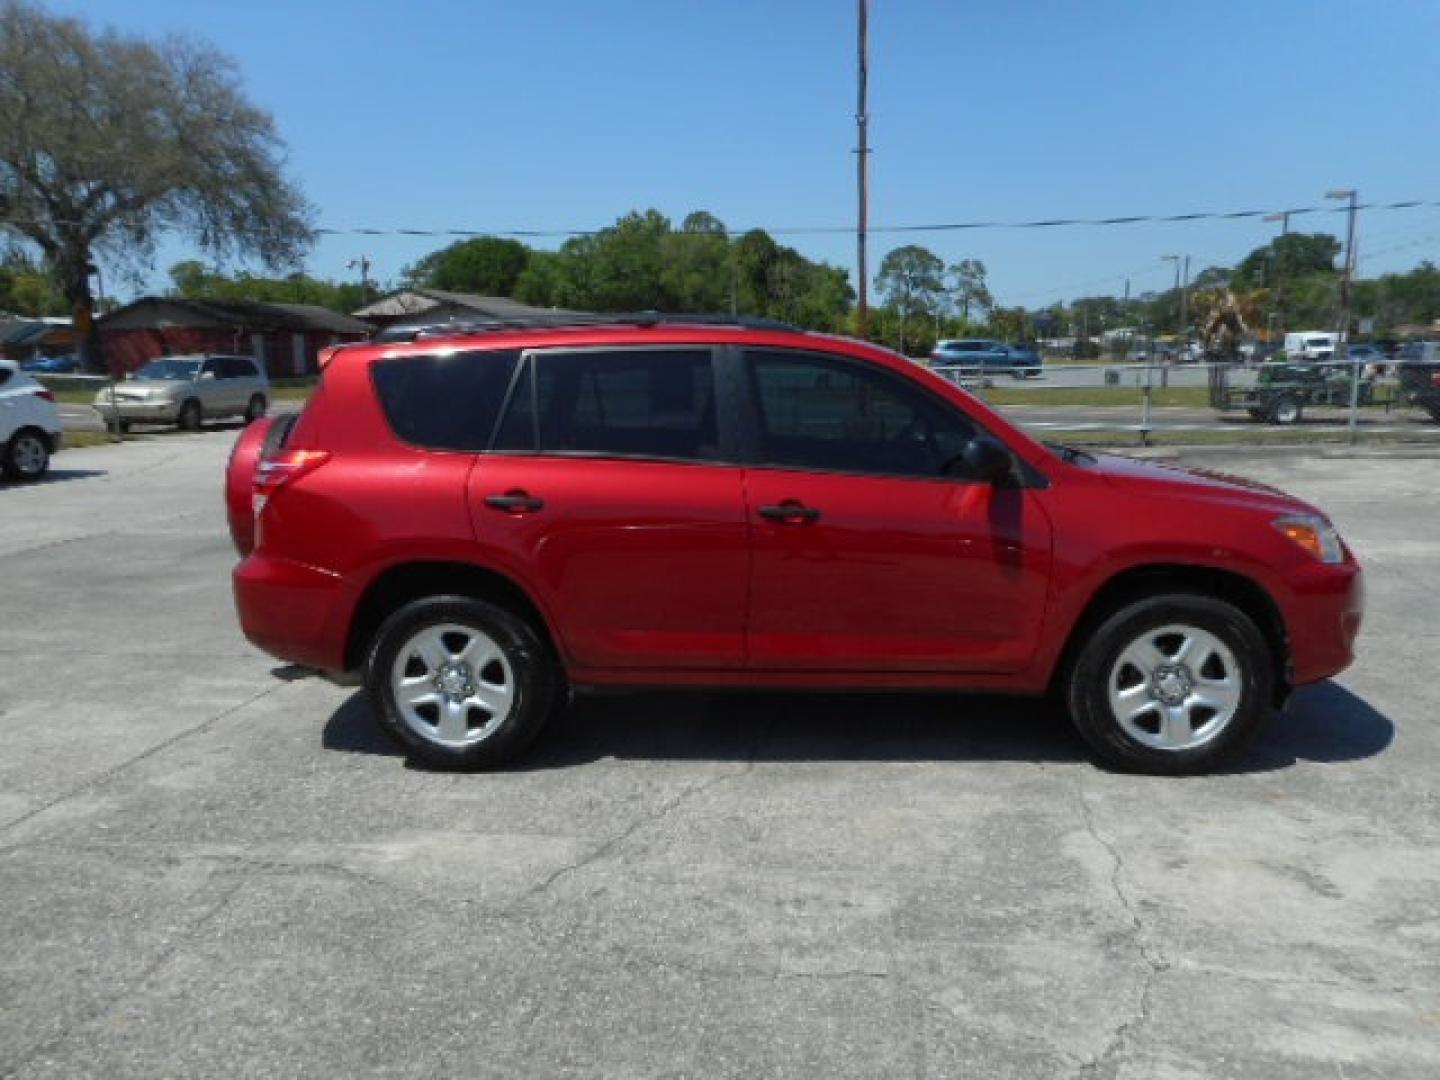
[[481, 521]]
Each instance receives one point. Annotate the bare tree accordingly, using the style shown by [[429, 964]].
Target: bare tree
[[108, 142]]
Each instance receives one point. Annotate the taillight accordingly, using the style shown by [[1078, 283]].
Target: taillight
[[48, 395], [286, 467], [1435, 379]]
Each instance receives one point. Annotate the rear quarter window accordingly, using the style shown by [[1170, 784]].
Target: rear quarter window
[[445, 402]]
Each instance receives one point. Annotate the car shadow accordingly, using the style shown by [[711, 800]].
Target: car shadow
[[1324, 723], [53, 476]]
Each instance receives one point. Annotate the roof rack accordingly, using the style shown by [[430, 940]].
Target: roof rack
[[573, 320]]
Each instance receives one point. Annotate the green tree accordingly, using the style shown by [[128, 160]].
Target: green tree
[[1286, 258], [27, 287], [911, 280], [967, 286], [193, 280], [108, 142], [697, 273], [487, 265]]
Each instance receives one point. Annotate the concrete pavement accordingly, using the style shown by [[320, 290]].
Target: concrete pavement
[[205, 871]]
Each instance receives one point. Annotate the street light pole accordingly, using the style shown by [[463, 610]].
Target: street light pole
[[1282, 216], [1346, 279], [862, 154], [363, 263]]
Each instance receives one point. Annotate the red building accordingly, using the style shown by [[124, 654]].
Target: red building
[[285, 337]]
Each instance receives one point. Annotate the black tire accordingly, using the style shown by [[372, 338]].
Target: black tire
[[254, 408], [191, 417], [1286, 409], [27, 455], [534, 674], [1087, 686]]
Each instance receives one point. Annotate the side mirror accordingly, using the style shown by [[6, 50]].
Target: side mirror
[[987, 460]]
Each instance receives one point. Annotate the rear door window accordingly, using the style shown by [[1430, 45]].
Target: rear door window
[[645, 403], [445, 402]]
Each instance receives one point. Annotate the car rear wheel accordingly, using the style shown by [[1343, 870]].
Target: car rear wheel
[[1286, 410], [1171, 684], [190, 416], [459, 683], [255, 409], [27, 457]]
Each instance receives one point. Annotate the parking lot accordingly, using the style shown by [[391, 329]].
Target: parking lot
[[207, 870]]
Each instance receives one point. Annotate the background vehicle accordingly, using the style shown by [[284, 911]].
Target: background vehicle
[[1280, 393], [29, 424], [1311, 344], [52, 365], [188, 390], [984, 355], [476, 521], [1417, 366], [1370, 359]]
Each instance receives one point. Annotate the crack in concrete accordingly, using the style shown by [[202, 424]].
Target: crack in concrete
[[604, 849], [166, 953], [106, 775], [1154, 964], [607, 846]]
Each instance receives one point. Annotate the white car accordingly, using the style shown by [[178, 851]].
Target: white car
[[29, 424], [187, 390]]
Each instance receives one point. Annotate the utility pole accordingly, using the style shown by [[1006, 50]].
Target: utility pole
[[363, 263], [1347, 277], [862, 154], [1282, 216], [1184, 297]]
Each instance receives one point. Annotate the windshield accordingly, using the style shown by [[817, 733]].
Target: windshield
[[170, 369]]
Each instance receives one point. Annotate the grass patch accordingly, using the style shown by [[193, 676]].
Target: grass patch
[[1193, 396], [74, 397], [74, 440], [1241, 436]]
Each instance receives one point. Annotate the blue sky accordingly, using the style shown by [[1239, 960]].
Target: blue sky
[[566, 113]]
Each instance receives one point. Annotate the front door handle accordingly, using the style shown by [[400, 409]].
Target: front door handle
[[514, 502], [790, 512]]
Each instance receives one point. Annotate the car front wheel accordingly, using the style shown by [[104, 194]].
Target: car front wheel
[[1171, 684], [459, 683]]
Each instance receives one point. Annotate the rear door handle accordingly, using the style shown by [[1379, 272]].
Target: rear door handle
[[514, 502], [790, 512]]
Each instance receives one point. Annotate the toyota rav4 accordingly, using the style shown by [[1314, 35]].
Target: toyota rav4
[[479, 522]]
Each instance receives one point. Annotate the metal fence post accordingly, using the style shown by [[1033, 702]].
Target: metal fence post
[[1145, 406], [1354, 396]]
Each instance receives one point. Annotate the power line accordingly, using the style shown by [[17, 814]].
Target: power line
[[817, 230]]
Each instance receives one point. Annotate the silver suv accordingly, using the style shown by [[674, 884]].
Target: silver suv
[[188, 390]]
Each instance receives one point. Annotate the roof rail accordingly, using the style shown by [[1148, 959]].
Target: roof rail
[[578, 320]]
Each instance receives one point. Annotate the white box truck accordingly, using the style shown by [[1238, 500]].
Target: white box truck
[[1311, 344]]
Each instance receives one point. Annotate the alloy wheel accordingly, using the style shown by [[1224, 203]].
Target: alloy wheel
[[452, 685], [1176, 687]]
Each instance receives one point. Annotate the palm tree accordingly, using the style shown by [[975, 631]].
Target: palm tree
[[1225, 317]]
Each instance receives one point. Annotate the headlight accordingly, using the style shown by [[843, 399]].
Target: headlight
[[1313, 533]]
